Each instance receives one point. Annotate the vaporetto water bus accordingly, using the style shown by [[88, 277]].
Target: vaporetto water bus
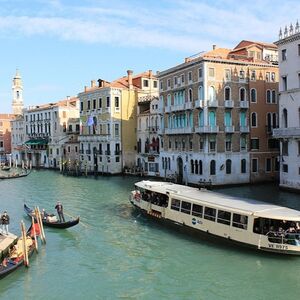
[[248, 222]]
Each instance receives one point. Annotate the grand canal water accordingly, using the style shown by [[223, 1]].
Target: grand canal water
[[117, 253]]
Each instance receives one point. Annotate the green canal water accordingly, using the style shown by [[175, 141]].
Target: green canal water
[[117, 253]]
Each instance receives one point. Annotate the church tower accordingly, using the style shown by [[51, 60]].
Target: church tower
[[17, 87]]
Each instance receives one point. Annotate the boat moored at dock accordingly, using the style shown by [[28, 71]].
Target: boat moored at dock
[[251, 223]]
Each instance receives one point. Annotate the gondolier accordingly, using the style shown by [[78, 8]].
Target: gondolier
[[5, 222], [60, 211]]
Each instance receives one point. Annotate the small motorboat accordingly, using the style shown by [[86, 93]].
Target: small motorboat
[[50, 220]]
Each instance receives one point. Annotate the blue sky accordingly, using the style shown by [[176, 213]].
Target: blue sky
[[60, 45]]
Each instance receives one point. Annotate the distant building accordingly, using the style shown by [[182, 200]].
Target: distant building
[[17, 138], [289, 107], [220, 108], [108, 112]]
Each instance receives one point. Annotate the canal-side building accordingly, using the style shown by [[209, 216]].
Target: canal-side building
[[215, 115], [108, 113], [46, 132], [149, 122], [17, 139], [5, 136], [289, 106]]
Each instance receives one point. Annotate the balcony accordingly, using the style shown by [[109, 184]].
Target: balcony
[[244, 129], [228, 103], [185, 130], [199, 103], [292, 132], [168, 109], [244, 104], [188, 105], [178, 107], [229, 129], [212, 103], [207, 129]]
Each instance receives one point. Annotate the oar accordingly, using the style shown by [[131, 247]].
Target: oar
[[80, 222]]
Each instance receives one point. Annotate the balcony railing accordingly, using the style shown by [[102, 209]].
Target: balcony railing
[[188, 105], [229, 129], [229, 103], [177, 107], [244, 104], [207, 129], [185, 130], [286, 132], [244, 129], [199, 103], [212, 103]]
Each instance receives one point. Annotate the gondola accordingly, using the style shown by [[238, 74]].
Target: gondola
[[5, 168], [55, 224], [15, 175], [10, 263]]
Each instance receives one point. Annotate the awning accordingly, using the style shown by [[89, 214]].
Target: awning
[[37, 142]]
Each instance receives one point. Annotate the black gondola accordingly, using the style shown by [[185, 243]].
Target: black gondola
[[11, 264], [15, 175], [56, 224]]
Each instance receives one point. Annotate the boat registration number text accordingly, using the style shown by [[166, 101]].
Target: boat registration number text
[[278, 246]]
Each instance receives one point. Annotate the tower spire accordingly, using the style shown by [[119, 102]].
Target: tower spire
[[17, 89]]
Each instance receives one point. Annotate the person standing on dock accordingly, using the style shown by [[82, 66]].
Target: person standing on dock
[[5, 222], [60, 211]]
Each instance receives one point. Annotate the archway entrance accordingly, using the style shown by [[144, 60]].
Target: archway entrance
[[179, 170]]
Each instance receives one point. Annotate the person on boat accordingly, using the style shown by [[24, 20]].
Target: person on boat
[[60, 211], [5, 222]]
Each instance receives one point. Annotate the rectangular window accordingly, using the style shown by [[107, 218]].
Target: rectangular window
[[155, 84], [243, 143], [117, 130], [117, 103], [240, 221], [182, 78], [186, 207], [285, 168], [285, 148], [212, 144], [201, 144], [211, 72], [283, 54], [254, 144], [175, 204], [94, 103], [81, 108], [200, 73], [145, 83], [89, 105], [242, 74], [169, 83], [254, 167], [107, 101], [268, 164], [284, 83], [100, 103], [161, 85], [175, 80], [210, 213], [227, 75], [224, 217], [253, 75], [190, 76], [197, 210], [228, 143]]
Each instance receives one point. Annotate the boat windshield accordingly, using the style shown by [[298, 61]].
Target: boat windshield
[[278, 231], [154, 197]]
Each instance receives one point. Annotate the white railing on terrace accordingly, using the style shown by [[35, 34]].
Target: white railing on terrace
[[244, 104], [286, 132]]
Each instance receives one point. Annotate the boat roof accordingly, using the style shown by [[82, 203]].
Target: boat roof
[[235, 204]]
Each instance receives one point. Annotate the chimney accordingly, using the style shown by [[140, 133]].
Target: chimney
[[93, 83], [214, 47], [85, 88], [129, 75], [150, 73], [100, 82]]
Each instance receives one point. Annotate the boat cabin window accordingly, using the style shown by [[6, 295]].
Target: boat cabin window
[[197, 210], [240, 221], [154, 197], [224, 217], [210, 213], [175, 204], [186, 207]]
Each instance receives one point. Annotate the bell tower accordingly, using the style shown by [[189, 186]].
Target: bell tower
[[17, 88]]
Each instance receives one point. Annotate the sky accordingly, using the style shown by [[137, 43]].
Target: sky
[[59, 46]]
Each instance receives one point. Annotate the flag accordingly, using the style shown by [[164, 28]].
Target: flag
[[90, 121]]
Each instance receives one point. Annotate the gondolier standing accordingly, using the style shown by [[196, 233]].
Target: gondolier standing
[[60, 211], [5, 222]]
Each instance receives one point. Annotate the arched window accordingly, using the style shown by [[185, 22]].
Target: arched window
[[227, 93], [254, 119], [196, 166], [212, 167], [200, 93], [243, 166], [211, 93], [273, 96], [200, 168], [201, 118], [192, 166], [169, 100], [285, 118], [228, 166], [253, 95], [268, 96], [242, 94], [274, 120], [269, 122], [190, 95], [212, 118]]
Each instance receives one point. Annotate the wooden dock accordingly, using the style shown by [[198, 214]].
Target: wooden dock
[[6, 241]]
